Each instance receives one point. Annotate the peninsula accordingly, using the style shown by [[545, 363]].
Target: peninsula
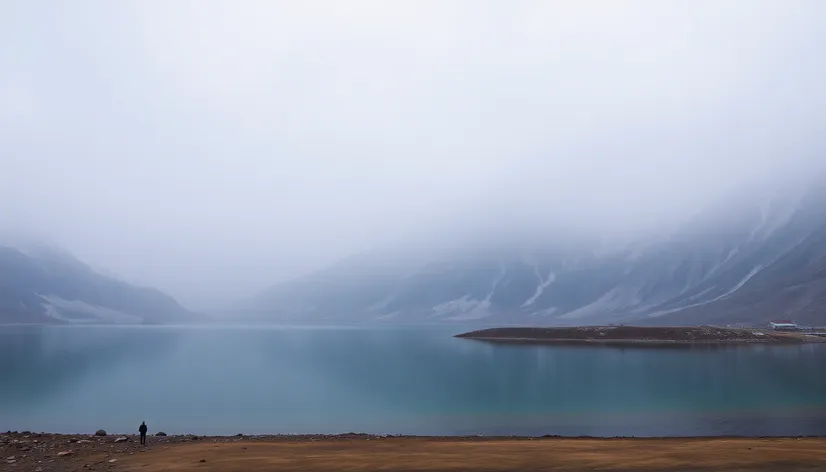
[[639, 335]]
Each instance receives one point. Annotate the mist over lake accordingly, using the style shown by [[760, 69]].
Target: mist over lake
[[396, 380]]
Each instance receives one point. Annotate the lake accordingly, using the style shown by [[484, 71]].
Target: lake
[[254, 380]]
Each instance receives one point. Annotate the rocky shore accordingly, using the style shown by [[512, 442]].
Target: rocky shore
[[640, 335], [41, 452]]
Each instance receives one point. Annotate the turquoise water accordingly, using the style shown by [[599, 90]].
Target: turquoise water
[[211, 380]]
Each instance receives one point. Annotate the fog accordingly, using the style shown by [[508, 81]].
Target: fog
[[213, 148]]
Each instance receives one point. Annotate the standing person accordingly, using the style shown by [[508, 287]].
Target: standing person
[[142, 430]]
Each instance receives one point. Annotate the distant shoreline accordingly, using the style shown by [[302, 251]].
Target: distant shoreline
[[641, 336]]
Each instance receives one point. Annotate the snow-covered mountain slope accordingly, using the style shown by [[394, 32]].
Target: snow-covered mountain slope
[[46, 285], [747, 262]]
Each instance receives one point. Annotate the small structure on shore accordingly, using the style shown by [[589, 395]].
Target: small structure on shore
[[784, 325]]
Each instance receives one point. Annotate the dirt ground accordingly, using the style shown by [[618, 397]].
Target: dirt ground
[[370, 453]]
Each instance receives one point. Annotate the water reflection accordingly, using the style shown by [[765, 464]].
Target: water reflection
[[417, 381], [45, 361]]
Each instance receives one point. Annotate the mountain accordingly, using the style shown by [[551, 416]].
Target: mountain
[[745, 262], [46, 285]]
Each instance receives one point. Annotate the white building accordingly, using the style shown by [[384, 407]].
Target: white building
[[783, 325]]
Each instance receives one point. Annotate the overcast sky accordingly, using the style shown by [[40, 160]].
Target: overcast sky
[[211, 148]]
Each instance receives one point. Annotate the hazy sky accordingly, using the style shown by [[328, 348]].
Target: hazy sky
[[211, 148]]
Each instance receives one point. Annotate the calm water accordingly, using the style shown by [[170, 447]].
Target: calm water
[[401, 380]]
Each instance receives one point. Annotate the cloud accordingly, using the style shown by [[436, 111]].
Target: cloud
[[211, 147]]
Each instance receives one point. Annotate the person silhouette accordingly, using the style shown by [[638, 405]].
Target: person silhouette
[[143, 430]]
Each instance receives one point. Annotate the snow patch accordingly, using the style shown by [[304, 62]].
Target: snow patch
[[742, 282], [499, 277], [464, 308], [609, 302], [546, 312], [462, 304], [700, 294], [716, 268], [467, 308], [737, 287], [774, 215], [55, 307], [543, 284]]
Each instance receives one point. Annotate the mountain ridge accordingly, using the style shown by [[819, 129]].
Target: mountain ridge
[[760, 258], [44, 285]]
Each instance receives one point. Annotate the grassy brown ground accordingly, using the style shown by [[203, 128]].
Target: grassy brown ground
[[446, 454], [507, 455]]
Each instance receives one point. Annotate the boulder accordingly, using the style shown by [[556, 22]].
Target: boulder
[[100, 432], [160, 433], [121, 439]]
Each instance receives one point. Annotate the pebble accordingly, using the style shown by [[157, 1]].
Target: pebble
[[64, 453], [112, 461], [121, 439]]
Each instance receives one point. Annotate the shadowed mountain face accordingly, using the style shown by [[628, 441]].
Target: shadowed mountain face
[[758, 259], [50, 286]]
